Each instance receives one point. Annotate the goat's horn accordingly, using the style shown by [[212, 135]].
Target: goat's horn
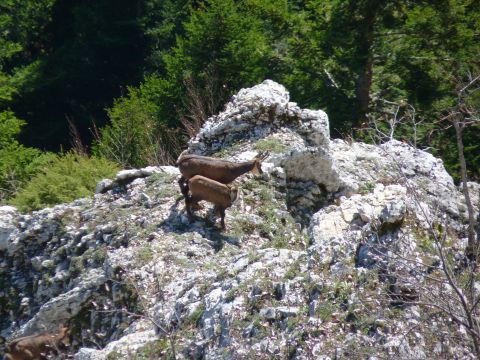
[[263, 155]]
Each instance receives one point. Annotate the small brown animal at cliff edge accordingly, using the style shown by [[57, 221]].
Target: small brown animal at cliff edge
[[36, 347]]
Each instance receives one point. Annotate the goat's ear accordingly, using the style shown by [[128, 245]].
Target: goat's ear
[[263, 155]]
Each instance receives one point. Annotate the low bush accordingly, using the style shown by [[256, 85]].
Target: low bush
[[136, 136], [18, 163], [65, 178]]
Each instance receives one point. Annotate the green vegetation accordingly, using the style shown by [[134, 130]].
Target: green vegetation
[[95, 255], [144, 254], [276, 222], [241, 226], [66, 178], [226, 151], [367, 188], [195, 317], [17, 162], [280, 229], [161, 178], [162, 185], [270, 144], [158, 349], [114, 355], [76, 265], [293, 271], [152, 350]]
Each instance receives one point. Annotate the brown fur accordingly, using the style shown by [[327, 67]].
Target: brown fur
[[202, 188], [36, 347], [219, 170]]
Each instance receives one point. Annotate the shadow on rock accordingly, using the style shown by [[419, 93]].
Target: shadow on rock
[[177, 222]]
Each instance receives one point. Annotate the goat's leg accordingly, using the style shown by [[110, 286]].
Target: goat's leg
[[194, 205], [188, 206], [26, 354], [222, 214], [182, 183]]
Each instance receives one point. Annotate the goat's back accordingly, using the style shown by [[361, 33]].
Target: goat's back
[[37, 345], [216, 169], [31, 347], [203, 188]]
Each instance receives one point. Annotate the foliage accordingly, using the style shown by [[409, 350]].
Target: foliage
[[137, 134], [223, 49], [79, 57], [161, 24], [433, 43], [66, 178], [134, 137], [17, 162]]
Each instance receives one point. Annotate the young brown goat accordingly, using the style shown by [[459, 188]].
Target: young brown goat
[[35, 347], [202, 188], [219, 170]]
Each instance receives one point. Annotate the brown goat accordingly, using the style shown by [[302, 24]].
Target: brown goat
[[202, 188], [36, 347], [219, 170]]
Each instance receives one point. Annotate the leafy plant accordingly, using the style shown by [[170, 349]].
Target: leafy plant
[[367, 188], [135, 137], [66, 178], [17, 162]]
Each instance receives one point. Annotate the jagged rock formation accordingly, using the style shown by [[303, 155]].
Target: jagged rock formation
[[308, 267]]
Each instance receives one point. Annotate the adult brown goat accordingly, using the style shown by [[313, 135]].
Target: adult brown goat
[[202, 188], [36, 347], [219, 170]]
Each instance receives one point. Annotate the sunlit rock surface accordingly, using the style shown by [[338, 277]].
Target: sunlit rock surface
[[301, 272]]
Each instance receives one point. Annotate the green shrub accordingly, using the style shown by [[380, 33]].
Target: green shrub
[[135, 136], [196, 316], [17, 162], [66, 178]]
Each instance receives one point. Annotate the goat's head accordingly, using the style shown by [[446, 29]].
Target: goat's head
[[63, 335], [257, 167]]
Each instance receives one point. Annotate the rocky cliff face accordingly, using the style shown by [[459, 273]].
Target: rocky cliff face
[[326, 255]]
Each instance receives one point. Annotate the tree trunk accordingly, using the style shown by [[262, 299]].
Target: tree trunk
[[364, 81], [472, 247]]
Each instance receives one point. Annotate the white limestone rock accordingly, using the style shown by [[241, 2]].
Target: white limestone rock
[[124, 348], [258, 111], [335, 231], [9, 218], [54, 312], [103, 185]]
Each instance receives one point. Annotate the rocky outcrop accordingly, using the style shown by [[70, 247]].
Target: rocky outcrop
[[257, 112], [312, 264]]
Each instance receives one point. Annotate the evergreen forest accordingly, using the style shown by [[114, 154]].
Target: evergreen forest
[[89, 87]]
